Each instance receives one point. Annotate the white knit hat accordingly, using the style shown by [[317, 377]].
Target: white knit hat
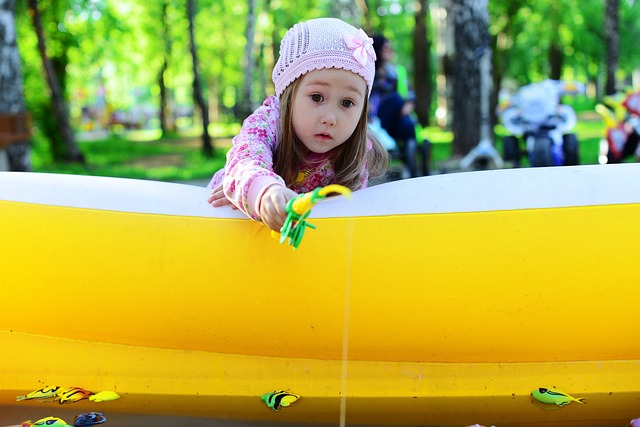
[[323, 43]]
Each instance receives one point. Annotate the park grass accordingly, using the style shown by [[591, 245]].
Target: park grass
[[142, 155], [179, 157]]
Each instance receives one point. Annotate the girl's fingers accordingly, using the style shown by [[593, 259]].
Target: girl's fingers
[[273, 208], [217, 197]]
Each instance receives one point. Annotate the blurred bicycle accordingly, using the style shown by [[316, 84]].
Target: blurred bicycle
[[621, 115]]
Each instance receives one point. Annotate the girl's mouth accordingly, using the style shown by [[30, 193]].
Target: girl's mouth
[[323, 136]]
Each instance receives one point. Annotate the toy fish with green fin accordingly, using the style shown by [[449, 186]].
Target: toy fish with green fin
[[45, 392], [552, 395], [51, 422], [279, 398]]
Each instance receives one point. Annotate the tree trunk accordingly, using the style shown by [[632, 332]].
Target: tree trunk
[[11, 90], [501, 54], [471, 40], [422, 64], [167, 120], [556, 60], [60, 111], [245, 107], [207, 147], [363, 6], [555, 50], [163, 110], [612, 41]]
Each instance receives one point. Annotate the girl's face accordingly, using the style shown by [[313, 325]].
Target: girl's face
[[327, 107]]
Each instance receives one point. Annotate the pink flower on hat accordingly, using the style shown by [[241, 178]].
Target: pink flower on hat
[[362, 45]]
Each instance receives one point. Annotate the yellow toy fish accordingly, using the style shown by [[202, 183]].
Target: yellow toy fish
[[44, 393], [104, 396], [50, 422], [552, 395], [277, 399], [73, 394]]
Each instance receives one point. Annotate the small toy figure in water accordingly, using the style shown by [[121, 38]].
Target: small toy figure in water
[[552, 395], [279, 398]]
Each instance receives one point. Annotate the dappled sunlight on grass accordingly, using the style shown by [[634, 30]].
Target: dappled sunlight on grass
[[143, 135], [436, 135], [216, 130], [588, 127], [138, 155]]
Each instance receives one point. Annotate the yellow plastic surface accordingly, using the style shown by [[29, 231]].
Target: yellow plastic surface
[[222, 386], [443, 315]]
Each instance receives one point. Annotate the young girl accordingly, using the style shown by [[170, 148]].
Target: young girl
[[313, 132]]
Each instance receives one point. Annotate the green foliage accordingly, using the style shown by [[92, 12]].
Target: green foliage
[[120, 45], [117, 48], [528, 28]]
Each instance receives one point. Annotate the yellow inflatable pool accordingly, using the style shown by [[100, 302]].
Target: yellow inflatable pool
[[443, 300]]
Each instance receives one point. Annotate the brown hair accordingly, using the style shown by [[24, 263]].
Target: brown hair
[[349, 158]]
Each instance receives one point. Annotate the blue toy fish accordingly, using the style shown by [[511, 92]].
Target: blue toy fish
[[89, 419], [277, 399], [552, 395]]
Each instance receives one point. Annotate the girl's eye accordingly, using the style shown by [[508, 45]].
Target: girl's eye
[[316, 97], [347, 103]]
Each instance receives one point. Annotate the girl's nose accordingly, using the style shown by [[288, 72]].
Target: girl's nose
[[328, 117]]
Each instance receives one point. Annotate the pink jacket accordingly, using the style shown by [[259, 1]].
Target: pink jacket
[[249, 168]]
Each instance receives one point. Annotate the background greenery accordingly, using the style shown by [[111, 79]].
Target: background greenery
[[142, 155], [111, 52]]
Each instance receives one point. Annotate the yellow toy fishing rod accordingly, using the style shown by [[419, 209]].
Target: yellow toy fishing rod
[[299, 208]]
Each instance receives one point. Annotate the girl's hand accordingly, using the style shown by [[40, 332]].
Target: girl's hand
[[273, 206], [217, 198]]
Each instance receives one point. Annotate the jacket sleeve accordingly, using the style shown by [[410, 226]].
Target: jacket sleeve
[[249, 167]]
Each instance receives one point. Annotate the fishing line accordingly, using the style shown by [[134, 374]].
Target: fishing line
[[345, 325]]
